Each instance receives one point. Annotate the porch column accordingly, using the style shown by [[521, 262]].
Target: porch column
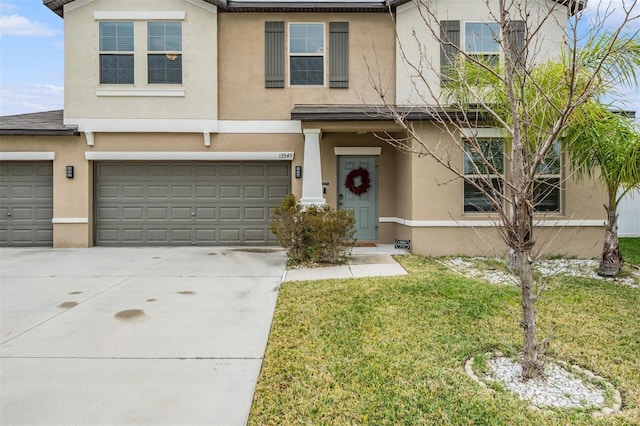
[[312, 170]]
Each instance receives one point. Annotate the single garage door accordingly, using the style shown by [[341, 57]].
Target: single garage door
[[26, 203], [179, 203]]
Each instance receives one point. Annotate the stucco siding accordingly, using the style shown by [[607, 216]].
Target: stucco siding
[[85, 97], [417, 45], [242, 87]]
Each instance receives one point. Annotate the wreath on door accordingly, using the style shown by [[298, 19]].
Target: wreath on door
[[365, 181]]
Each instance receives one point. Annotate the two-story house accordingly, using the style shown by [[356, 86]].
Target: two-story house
[[187, 121]]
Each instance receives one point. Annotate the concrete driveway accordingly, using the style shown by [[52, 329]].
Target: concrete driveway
[[143, 336]]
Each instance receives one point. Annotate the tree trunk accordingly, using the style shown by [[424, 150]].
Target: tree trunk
[[611, 257], [530, 365]]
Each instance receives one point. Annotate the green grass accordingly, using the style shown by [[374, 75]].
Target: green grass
[[390, 351], [630, 248]]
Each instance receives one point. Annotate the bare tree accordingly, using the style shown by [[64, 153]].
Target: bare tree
[[517, 92]]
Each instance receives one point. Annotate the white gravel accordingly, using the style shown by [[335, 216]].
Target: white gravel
[[558, 389], [477, 268]]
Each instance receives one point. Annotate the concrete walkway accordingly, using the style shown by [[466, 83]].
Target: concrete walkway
[[364, 262]]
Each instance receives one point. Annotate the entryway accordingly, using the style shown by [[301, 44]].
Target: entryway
[[360, 199]]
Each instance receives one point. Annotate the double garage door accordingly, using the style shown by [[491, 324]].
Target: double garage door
[[26, 203], [181, 203]]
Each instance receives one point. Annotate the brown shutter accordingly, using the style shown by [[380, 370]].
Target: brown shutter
[[450, 36], [274, 54], [339, 55]]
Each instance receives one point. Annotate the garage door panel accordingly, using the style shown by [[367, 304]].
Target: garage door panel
[[229, 213], [279, 170], [208, 170], [26, 197], [206, 191], [181, 191], [157, 191], [230, 236], [254, 192], [157, 213], [230, 170], [164, 203], [230, 192], [278, 192], [255, 213], [254, 235], [181, 235], [132, 192], [132, 235], [206, 213], [180, 213], [135, 213]]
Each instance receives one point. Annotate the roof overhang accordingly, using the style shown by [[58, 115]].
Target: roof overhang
[[295, 6], [333, 113], [47, 123]]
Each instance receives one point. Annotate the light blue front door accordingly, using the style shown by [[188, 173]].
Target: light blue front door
[[365, 205]]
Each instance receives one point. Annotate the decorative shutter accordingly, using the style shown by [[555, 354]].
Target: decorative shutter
[[449, 33], [517, 37], [339, 55], [274, 54]]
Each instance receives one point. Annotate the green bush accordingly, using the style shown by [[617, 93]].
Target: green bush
[[318, 234]]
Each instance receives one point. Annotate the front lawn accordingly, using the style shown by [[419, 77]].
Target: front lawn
[[390, 351], [630, 248]]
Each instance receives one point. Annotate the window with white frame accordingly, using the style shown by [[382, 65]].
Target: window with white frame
[[164, 45], [546, 188], [116, 52], [484, 162], [306, 54], [480, 41], [484, 165]]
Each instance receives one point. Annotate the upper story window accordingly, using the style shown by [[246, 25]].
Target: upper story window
[[306, 54], [164, 46], [116, 52], [480, 41]]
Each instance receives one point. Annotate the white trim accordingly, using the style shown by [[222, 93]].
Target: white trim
[[260, 126], [28, 156], [483, 132], [75, 5], [90, 138], [70, 220], [203, 5], [357, 150], [139, 15], [325, 60], [152, 125], [484, 223], [141, 92], [188, 156], [182, 125]]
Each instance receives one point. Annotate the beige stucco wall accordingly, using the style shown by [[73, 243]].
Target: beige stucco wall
[[241, 76], [420, 48], [82, 70], [72, 198]]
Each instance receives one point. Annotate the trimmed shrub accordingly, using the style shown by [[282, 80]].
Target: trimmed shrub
[[318, 234]]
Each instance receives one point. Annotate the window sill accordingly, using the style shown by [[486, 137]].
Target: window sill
[[124, 92]]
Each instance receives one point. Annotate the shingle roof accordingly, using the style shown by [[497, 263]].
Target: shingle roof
[[380, 113], [49, 123], [294, 6]]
